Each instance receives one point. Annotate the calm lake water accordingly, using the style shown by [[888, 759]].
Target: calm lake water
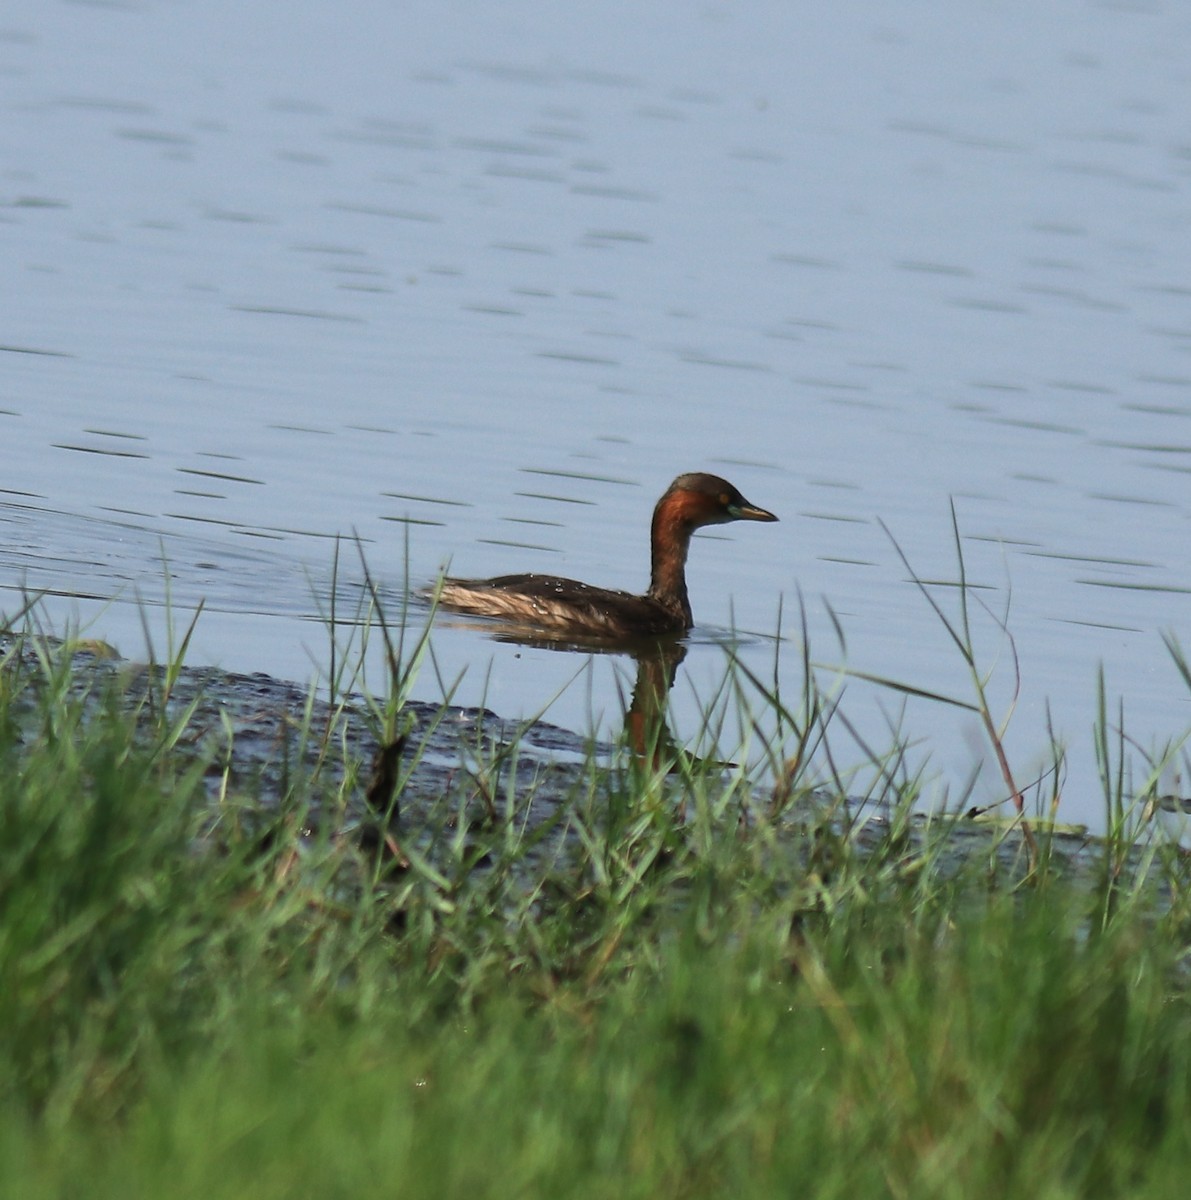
[[476, 281]]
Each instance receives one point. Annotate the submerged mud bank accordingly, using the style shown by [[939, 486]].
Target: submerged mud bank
[[269, 746]]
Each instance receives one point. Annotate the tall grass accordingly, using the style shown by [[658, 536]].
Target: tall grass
[[641, 982]]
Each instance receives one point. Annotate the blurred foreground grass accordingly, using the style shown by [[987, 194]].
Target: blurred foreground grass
[[199, 997]]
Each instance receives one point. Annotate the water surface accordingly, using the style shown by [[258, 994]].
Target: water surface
[[475, 283]]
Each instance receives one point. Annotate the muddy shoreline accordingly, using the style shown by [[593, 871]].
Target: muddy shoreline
[[267, 743]]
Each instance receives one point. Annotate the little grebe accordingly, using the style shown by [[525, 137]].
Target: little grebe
[[566, 606]]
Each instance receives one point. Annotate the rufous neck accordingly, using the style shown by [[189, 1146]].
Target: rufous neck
[[670, 538]]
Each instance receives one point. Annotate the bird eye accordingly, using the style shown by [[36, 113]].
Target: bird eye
[[725, 499]]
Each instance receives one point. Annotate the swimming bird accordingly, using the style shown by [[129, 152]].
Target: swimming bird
[[569, 608]]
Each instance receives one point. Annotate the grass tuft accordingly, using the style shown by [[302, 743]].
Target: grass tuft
[[639, 976]]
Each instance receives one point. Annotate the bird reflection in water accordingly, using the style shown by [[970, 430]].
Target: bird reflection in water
[[657, 660]]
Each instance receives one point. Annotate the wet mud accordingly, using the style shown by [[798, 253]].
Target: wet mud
[[269, 748]]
